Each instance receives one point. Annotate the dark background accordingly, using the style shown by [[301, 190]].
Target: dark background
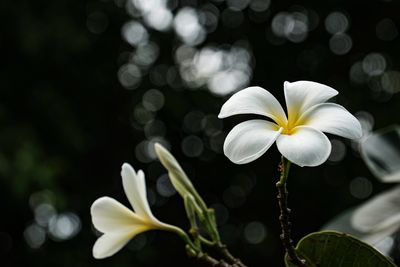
[[67, 125]]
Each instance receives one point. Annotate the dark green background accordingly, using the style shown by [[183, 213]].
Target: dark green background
[[67, 126]]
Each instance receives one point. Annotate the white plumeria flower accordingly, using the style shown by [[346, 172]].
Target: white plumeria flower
[[120, 224], [299, 136]]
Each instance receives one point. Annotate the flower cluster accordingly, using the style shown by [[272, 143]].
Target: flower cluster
[[120, 224], [299, 136]]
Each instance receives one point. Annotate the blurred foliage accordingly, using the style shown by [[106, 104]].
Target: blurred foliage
[[68, 124]]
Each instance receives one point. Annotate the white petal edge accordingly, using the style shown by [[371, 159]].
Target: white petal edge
[[110, 243], [379, 213], [249, 140], [380, 152], [306, 146], [302, 95], [254, 100], [375, 238], [332, 118], [108, 215], [135, 190]]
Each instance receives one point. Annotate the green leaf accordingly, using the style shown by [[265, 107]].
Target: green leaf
[[335, 249]]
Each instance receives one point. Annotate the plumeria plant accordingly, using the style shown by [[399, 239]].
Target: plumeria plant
[[299, 136], [120, 224], [377, 220]]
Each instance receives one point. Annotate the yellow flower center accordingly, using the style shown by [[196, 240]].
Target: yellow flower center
[[290, 126]]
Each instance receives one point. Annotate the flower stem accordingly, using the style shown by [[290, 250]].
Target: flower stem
[[213, 262], [193, 246], [284, 214], [194, 250], [228, 256]]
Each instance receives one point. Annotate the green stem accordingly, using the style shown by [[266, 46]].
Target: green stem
[[284, 214], [194, 249], [182, 234], [209, 218], [206, 241]]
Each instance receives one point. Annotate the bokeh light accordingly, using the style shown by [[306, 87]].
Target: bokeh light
[[234, 196], [48, 222], [340, 44], [255, 232], [64, 226], [153, 100], [35, 236], [360, 187], [374, 64], [188, 27], [135, 33], [222, 71], [164, 186], [338, 151], [260, 5], [336, 22], [97, 22], [292, 26], [192, 146], [130, 76], [386, 30]]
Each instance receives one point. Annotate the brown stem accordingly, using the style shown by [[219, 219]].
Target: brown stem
[[226, 253], [284, 215], [213, 262]]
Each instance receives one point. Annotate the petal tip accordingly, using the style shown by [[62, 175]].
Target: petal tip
[[163, 155], [158, 148], [140, 173], [97, 253], [223, 113], [359, 133], [127, 169], [126, 165], [98, 202]]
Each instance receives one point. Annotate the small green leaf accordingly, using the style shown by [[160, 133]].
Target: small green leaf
[[335, 249]]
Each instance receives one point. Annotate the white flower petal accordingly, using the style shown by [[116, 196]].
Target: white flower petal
[[381, 152], [248, 140], [332, 118], [305, 146], [374, 238], [254, 100], [302, 95], [108, 215], [135, 190], [110, 243], [379, 213], [344, 223]]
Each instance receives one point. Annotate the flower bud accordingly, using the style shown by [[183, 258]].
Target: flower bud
[[178, 177]]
